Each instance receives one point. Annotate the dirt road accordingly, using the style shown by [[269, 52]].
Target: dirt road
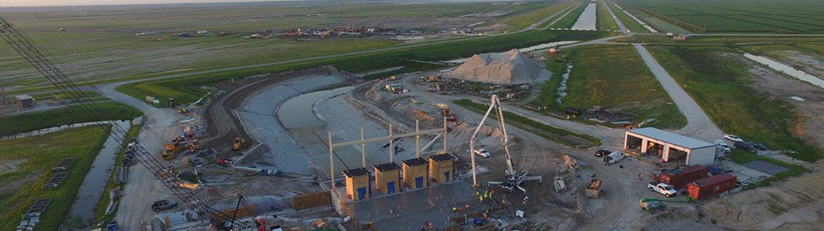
[[699, 124]]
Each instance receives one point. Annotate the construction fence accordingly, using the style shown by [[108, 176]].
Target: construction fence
[[312, 200]]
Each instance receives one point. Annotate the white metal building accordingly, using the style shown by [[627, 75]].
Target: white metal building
[[670, 146]]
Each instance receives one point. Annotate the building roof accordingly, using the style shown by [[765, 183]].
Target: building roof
[[386, 167], [415, 162], [671, 138], [714, 179], [23, 97], [356, 172], [440, 157]]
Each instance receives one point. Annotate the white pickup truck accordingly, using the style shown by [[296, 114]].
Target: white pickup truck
[[662, 188]]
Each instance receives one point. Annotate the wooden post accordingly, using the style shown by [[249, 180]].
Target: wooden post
[[444, 134], [391, 148], [331, 161], [362, 148], [417, 140]]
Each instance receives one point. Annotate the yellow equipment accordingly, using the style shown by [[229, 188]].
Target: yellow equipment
[[239, 142], [169, 154], [182, 110]]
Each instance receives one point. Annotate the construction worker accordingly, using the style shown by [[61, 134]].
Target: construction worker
[[525, 199], [454, 209], [640, 178]]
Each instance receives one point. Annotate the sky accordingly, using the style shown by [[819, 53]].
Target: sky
[[13, 3]]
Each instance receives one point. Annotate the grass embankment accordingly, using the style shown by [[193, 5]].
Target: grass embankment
[[614, 77], [630, 23], [60, 95], [742, 157], [100, 214], [721, 87], [526, 19], [187, 89], [605, 21], [569, 20], [39, 154], [39, 120], [535, 127], [723, 40]]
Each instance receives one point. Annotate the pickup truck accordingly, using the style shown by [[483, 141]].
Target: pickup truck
[[662, 188], [483, 153], [161, 205]]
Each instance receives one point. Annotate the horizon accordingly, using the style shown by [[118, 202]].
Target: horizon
[[61, 3]]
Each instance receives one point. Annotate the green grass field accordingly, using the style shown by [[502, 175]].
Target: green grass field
[[721, 87], [569, 20], [537, 128], [25, 185], [39, 120], [187, 89], [605, 21], [738, 16], [631, 24], [615, 77], [526, 19]]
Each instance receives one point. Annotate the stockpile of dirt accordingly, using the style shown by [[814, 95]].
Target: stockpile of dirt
[[511, 68]]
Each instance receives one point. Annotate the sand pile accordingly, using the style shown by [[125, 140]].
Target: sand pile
[[511, 67]]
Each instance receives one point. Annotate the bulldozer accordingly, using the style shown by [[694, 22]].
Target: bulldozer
[[171, 150], [239, 143]]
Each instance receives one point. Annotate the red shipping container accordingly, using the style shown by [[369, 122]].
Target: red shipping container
[[680, 178], [711, 186]]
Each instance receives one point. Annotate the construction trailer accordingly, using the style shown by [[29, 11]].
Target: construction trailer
[[711, 186], [24, 101], [679, 178], [387, 178], [669, 146], [441, 168], [414, 173], [358, 185]]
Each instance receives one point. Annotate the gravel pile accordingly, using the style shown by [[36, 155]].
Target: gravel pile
[[510, 68]]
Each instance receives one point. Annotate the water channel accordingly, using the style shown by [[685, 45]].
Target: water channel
[[783, 68], [588, 19]]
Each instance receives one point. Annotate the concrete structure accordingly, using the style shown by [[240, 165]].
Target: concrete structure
[[387, 178], [358, 186], [670, 146], [24, 101], [441, 168], [414, 173]]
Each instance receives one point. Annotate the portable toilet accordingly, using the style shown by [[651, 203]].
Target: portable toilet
[[387, 178], [414, 173], [357, 183], [441, 168]]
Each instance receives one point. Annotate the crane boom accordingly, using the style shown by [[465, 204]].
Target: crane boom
[[495, 104], [53, 70]]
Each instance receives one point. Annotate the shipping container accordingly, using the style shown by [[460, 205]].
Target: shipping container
[[678, 178], [707, 187]]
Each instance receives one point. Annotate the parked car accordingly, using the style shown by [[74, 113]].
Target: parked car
[[161, 205], [483, 153], [113, 226], [733, 138], [602, 153], [662, 188], [720, 144], [759, 146], [746, 147]]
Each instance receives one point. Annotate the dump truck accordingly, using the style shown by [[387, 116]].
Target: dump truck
[[678, 178], [594, 189], [711, 186], [239, 143]]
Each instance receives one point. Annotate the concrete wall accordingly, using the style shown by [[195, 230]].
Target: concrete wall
[[702, 156], [412, 172], [384, 178]]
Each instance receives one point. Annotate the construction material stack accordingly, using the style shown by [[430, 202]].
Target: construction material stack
[[711, 186]]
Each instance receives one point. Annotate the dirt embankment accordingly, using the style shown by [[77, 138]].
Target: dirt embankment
[[807, 63]]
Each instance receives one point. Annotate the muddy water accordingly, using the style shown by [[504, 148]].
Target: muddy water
[[780, 67], [299, 111], [531, 48], [95, 182], [587, 19]]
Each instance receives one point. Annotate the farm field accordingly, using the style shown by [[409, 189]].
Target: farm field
[[531, 17], [568, 20], [660, 25], [631, 24], [721, 87], [614, 77], [605, 20], [103, 43], [737, 16], [187, 89], [33, 158]]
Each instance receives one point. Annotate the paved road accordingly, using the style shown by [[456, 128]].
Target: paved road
[[621, 26], [699, 124]]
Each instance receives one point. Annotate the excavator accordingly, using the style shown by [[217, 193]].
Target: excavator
[[512, 180]]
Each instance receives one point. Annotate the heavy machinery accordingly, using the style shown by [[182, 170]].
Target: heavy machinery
[[239, 143], [45, 63], [512, 179], [169, 153]]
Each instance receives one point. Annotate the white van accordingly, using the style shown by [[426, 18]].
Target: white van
[[614, 157]]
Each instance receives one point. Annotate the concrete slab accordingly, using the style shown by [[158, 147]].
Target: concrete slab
[[409, 210], [765, 167]]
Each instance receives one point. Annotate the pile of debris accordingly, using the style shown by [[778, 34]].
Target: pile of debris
[[508, 68]]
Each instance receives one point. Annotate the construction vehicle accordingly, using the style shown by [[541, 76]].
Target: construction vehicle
[[594, 189], [182, 110], [239, 143], [448, 114], [512, 179], [194, 145], [171, 151], [47, 65]]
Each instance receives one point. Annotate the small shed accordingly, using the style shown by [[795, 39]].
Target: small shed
[[441, 168], [24, 101], [414, 173], [358, 186], [387, 177]]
